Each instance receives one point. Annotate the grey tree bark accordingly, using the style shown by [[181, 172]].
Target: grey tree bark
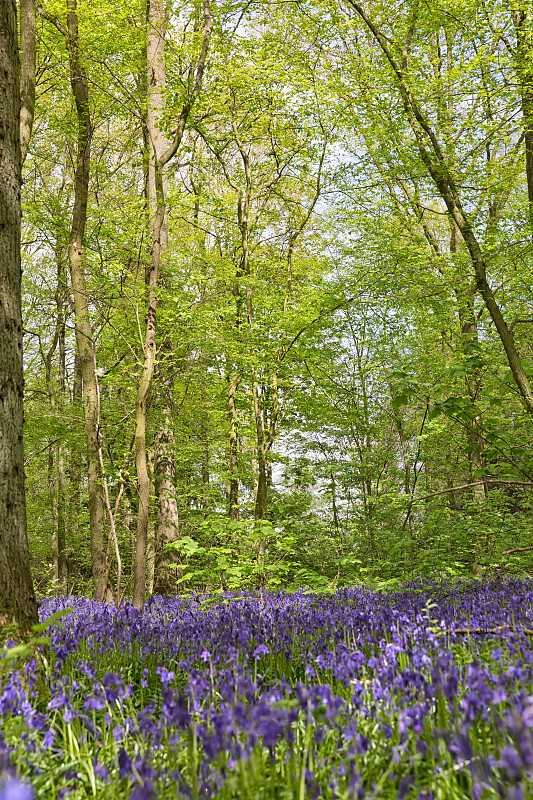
[[523, 22], [61, 455], [165, 470], [28, 41], [84, 333], [233, 451], [18, 606], [194, 84], [75, 458]]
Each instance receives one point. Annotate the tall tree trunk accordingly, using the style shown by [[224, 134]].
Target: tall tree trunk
[[165, 470], [61, 294], [404, 446], [165, 477], [206, 478], [156, 24], [265, 434], [56, 451], [84, 333], [28, 41], [469, 334], [75, 459], [155, 15], [17, 599], [523, 22], [47, 357], [233, 451]]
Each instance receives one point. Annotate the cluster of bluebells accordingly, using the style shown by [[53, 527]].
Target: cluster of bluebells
[[411, 694]]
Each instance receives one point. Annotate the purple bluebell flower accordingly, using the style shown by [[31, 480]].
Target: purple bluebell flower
[[16, 790]]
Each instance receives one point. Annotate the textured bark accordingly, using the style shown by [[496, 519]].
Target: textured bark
[[233, 454], [84, 333], [157, 211], [155, 16], [523, 22], [469, 332], [404, 446], [265, 435], [206, 478], [61, 565], [261, 495], [28, 40], [74, 477], [17, 599], [464, 296], [141, 460], [56, 450], [165, 476], [51, 481], [165, 470]]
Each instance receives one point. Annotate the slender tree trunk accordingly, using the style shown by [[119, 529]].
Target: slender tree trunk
[[263, 445], [141, 460], [261, 497], [265, 434], [155, 54], [61, 445], [47, 357], [165, 476], [17, 599], [151, 557], [404, 446], [474, 426], [206, 478], [165, 471], [194, 84], [75, 461], [56, 452], [84, 333], [469, 334], [52, 494], [523, 22], [233, 452], [28, 40]]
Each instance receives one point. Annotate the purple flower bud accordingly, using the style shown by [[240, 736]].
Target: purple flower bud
[[512, 763]]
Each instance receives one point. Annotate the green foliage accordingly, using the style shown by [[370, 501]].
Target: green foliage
[[379, 375]]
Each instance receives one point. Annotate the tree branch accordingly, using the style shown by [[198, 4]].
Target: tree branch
[[469, 485]]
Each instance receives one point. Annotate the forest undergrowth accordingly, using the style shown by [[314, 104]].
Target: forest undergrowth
[[424, 692]]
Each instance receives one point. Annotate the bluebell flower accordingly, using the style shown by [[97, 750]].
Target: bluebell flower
[[16, 790]]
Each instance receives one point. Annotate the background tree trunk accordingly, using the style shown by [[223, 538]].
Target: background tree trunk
[[165, 470], [75, 459], [61, 294], [17, 599], [28, 41], [523, 22], [84, 333], [159, 240], [233, 454]]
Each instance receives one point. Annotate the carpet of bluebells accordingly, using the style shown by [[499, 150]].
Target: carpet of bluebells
[[423, 693]]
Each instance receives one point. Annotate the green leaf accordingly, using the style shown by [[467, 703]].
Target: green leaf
[[435, 412]]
